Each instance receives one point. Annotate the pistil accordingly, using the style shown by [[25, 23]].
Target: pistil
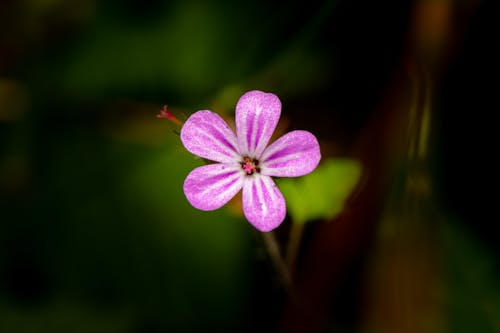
[[249, 165]]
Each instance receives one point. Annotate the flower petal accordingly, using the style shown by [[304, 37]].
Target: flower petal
[[294, 154], [257, 114], [211, 186], [263, 204], [207, 135]]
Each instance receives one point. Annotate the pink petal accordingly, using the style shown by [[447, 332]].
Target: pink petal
[[263, 204], [257, 114], [294, 154], [211, 186], [207, 135]]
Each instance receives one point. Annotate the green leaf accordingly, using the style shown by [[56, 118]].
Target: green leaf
[[322, 193]]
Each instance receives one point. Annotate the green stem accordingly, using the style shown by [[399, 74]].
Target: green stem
[[294, 241], [278, 262]]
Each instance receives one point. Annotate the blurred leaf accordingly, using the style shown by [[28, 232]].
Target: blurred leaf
[[472, 275], [321, 194], [63, 315]]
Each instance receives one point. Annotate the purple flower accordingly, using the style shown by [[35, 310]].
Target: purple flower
[[245, 161]]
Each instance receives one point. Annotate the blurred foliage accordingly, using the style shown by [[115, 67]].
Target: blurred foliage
[[472, 274], [111, 223], [95, 232], [321, 194]]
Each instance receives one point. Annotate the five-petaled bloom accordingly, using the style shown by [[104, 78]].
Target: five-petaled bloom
[[244, 161]]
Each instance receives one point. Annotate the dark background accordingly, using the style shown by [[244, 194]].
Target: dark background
[[96, 234]]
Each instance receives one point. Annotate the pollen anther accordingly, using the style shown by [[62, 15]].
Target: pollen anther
[[249, 165]]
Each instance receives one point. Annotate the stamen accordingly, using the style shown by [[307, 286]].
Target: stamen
[[249, 165]]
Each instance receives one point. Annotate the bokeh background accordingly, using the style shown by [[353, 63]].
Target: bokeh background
[[95, 231]]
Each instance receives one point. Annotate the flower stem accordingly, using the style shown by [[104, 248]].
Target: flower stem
[[278, 262], [294, 240]]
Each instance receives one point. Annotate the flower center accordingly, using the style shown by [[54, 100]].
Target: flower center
[[250, 165]]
